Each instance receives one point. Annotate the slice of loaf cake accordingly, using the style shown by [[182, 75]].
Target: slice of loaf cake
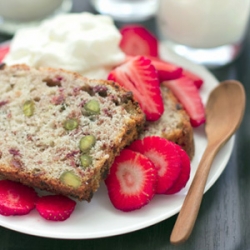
[[59, 131], [173, 125]]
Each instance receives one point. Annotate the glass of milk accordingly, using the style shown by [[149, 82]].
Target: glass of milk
[[208, 32], [15, 14], [126, 10]]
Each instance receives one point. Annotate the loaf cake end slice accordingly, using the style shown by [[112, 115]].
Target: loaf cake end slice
[[173, 125]]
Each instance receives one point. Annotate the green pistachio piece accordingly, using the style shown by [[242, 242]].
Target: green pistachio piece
[[87, 142], [92, 107], [70, 124], [86, 160], [70, 179], [28, 108]]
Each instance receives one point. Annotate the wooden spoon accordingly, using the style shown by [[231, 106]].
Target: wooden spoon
[[224, 113]]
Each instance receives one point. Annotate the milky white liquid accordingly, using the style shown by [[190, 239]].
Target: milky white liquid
[[27, 10], [203, 23], [126, 10]]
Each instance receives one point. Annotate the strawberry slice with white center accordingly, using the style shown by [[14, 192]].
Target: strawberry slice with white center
[[183, 178], [16, 198], [165, 157], [131, 181], [188, 95], [139, 76], [137, 40], [166, 70]]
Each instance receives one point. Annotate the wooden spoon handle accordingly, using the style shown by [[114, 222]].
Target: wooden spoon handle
[[190, 208]]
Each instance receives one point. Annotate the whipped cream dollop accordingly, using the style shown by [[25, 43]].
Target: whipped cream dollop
[[80, 42]]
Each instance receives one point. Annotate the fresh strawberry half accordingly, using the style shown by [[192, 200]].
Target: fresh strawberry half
[[166, 70], [188, 95], [3, 52], [164, 156], [55, 207], [139, 76], [197, 80], [185, 172], [16, 198], [131, 182], [137, 40]]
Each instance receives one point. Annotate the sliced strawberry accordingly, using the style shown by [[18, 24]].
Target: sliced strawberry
[[165, 157], [137, 40], [139, 76], [131, 182], [185, 172], [16, 198], [3, 52], [166, 70], [188, 95], [197, 80], [55, 207]]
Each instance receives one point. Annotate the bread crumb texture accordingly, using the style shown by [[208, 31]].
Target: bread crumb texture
[[36, 146]]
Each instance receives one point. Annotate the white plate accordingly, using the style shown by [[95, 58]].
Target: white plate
[[100, 219]]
